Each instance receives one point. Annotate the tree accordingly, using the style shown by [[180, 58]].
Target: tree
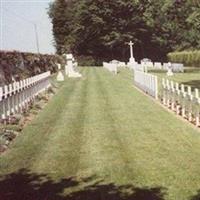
[[100, 29]]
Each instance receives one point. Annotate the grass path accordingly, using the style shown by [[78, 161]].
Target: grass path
[[99, 138]]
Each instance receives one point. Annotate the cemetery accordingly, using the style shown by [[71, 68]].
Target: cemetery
[[122, 109], [124, 126]]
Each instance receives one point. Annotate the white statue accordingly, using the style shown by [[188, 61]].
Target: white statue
[[70, 66]]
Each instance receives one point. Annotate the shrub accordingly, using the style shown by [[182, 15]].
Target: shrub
[[20, 65], [189, 58], [86, 61]]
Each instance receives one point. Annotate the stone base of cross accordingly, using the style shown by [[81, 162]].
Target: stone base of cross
[[132, 60]]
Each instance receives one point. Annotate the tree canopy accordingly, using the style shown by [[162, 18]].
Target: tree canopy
[[101, 29]]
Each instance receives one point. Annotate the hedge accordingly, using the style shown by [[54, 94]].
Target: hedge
[[188, 58], [18, 65]]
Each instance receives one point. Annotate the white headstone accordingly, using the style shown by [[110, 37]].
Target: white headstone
[[59, 66], [158, 65], [60, 76], [169, 70], [66, 67], [196, 93]]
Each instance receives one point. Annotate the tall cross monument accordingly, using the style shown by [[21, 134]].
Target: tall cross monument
[[131, 59]]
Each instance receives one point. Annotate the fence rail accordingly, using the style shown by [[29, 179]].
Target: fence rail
[[146, 82], [15, 97]]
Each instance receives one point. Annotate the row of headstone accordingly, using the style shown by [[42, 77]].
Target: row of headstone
[[112, 67], [175, 67], [137, 66], [70, 68], [147, 64], [146, 82], [181, 100], [118, 63], [15, 97]]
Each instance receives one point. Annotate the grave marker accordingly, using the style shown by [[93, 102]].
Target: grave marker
[[60, 76]]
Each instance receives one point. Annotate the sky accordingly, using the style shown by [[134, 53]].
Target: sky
[[17, 30]]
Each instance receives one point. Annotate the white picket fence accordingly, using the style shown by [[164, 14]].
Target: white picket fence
[[15, 97], [111, 67], [181, 100], [146, 82]]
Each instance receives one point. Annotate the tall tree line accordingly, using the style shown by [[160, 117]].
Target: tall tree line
[[100, 29]]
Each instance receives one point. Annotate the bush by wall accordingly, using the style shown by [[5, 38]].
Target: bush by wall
[[188, 58], [18, 65]]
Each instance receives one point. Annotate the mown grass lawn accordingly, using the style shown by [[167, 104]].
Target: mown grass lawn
[[101, 139]]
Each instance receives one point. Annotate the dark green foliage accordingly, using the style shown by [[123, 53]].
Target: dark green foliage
[[189, 58], [100, 29], [21, 65], [88, 61]]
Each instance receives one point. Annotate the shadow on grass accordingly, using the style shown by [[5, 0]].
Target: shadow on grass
[[194, 84], [24, 185]]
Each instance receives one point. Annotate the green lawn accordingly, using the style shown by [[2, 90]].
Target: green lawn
[[101, 139], [190, 77]]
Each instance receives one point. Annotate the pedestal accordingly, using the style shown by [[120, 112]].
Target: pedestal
[[131, 64], [132, 60], [71, 72]]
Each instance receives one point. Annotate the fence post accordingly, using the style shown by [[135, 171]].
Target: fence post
[[197, 109], [177, 98], [156, 87], [189, 98], [183, 100], [172, 96]]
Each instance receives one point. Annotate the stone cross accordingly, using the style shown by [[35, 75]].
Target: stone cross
[[131, 48]]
